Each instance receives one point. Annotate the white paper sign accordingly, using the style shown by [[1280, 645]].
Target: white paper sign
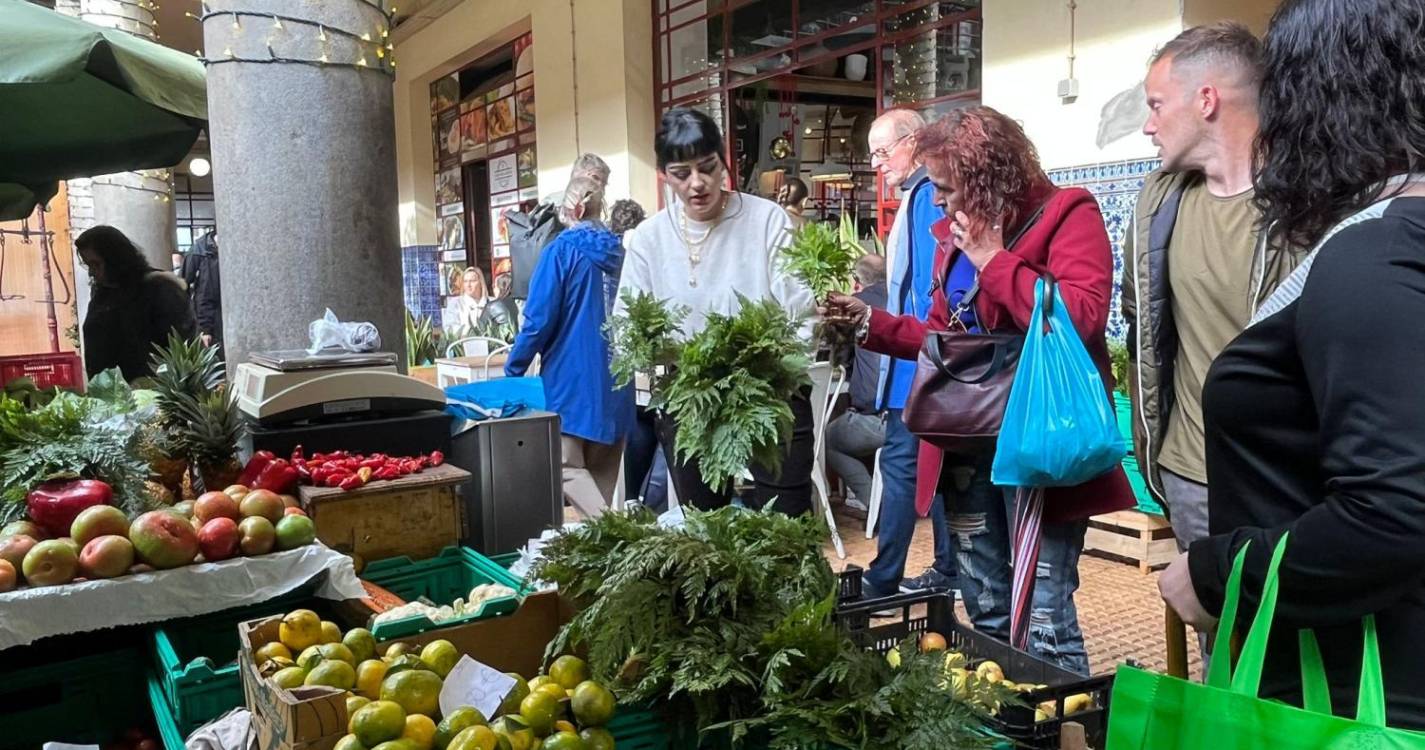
[[504, 174], [471, 683]]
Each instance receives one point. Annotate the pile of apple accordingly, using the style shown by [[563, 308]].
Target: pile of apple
[[104, 543]]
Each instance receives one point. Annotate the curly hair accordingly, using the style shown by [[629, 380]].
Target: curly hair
[[124, 263], [625, 215], [989, 155], [1342, 110]]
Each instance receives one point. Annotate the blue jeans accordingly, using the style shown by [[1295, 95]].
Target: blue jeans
[[980, 523], [645, 472], [897, 519]]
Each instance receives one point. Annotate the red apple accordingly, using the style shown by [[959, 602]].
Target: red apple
[[106, 557], [258, 536], [8, 576], [218, 539], [263, 503], [14, 548], [50, 563], [293, 512], [28, 528], [100, 520], [210, 505], [163, 540]]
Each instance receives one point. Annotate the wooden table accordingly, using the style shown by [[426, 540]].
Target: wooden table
[[417, 515]]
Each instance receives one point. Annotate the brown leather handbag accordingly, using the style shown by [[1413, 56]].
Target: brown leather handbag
[[962, 379]]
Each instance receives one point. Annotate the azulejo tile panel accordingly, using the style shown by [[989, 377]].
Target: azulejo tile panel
[[420, 280], [1115, 185]]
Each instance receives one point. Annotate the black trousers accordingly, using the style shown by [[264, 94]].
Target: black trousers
[[788, 491]]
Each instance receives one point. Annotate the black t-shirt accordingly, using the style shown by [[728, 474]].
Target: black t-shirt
[[1315, 421]]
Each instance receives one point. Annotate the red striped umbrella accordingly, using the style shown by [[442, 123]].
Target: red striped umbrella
[[1028, 518]]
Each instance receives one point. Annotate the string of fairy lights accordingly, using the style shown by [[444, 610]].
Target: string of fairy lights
[[291, 39], [160, 176]]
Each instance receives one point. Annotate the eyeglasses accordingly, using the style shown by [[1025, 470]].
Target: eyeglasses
[[884, 152]]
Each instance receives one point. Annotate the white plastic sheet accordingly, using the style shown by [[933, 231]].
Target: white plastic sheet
[[27, 615]]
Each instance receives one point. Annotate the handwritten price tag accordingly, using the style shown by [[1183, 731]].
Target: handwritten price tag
[[471, 683]]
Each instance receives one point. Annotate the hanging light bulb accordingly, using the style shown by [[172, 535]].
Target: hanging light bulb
[[321, 33], [276, 22], [366, 36], [237, 23], [323, 58], [362, 62], [228, 51]]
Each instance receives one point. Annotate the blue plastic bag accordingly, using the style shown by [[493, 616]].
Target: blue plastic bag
[[1059, 426]]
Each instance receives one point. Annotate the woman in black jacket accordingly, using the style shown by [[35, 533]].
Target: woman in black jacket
[[1315, 415], [133, 306]]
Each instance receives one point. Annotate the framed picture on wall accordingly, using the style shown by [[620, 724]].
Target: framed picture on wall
[[504, 174], [500, 267], [451, 281], [450, 233], [501, 119], [499, 228], [447, 186], [449, 139], [444, 92], [472, 129], [524, 82], [528, 168], [524, 109]]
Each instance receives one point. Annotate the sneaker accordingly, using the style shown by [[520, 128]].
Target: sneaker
[[869, 592], [928, 580], [855, 503]]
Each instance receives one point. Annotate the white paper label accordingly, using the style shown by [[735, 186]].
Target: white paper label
[[471, 683]]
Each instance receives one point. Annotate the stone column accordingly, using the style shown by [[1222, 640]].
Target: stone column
[[304, 169], [140, 204]]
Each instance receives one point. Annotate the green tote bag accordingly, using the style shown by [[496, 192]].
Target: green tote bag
[[1151, 711]]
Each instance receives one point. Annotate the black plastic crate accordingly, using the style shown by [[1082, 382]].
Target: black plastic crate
[[897, 617]]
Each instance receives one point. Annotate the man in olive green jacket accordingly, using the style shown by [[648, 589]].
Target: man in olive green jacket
[[1196, 264]]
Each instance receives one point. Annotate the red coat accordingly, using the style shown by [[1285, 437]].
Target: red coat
[[1069, 240]]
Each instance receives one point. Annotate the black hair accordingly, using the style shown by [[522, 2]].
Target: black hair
[[625, 215], [1342, 110], [794, 191], [124, 263], [687, 134]]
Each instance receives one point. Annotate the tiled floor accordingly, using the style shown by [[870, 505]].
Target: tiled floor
[[1119, 608]]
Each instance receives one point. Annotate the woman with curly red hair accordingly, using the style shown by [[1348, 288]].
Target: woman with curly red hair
[[992, 189]]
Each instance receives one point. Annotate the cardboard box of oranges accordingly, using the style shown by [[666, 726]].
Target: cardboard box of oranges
[[299, 718]]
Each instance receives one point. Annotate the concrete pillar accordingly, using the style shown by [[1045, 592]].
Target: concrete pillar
[[304, 169], [140, 204]]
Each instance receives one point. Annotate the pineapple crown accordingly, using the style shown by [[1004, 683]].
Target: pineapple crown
[[210, 427]]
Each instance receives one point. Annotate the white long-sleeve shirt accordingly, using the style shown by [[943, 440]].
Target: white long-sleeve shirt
[[741, 256]]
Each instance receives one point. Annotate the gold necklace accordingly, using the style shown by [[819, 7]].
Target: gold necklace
[[695, 246]]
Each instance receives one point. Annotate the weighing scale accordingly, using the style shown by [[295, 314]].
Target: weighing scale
[[338, 400]]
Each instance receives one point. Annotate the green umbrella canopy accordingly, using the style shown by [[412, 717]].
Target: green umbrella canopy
[[77, 100]]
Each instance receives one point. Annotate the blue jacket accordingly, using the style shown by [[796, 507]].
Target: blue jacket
[[570, 296], [908, 278]]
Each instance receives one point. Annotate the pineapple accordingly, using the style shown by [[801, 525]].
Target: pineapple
[[209, 436], [181, 369]]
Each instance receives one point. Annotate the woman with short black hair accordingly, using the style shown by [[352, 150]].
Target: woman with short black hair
[[707, 247], [133, 307], [1314, 416]]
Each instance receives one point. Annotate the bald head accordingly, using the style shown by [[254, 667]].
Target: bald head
[[870, 270], [892, 144]]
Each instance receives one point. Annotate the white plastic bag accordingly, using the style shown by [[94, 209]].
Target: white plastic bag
[[329, 333]]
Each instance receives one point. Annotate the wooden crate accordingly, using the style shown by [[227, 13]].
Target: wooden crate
[[304, 718], [1141, 537], [417, 515]]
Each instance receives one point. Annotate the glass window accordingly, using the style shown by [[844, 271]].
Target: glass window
[[761, 26], [939, 10], [816, 16], [693, 48], [932, 64]]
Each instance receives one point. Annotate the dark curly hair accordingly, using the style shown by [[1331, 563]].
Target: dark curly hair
[[124, 264], [625, 215], [1342, 110], [991, 157]]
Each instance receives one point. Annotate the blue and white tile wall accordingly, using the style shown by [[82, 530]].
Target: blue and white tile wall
[[420, 277], [1115, 185]]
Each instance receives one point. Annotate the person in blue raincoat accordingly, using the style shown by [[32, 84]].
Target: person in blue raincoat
[[571, 295]]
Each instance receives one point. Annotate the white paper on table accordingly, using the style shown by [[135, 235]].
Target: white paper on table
[[29, 614], [474, 684]]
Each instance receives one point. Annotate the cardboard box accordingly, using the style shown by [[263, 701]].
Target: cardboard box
[[307, 718], [509, 643]]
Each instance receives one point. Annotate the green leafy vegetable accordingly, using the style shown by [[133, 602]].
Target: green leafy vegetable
[[93, 436], [643, 337], [728, 621], [731, 390], [823, 258]]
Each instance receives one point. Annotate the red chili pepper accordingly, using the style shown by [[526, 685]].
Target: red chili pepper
[[255, 465], [351, 483], [304, 473], [372, 463], [437, 458], [297, 454], [386, 473], [351, 463], [335, 480], [410, 467], [277, 476]]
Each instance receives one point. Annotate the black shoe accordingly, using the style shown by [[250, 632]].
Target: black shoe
[[930, 580], [869, 592]]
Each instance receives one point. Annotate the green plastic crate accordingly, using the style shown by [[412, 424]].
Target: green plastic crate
[[168, 732], [441, 579], [641, 730], [84, 700], [195, 659]]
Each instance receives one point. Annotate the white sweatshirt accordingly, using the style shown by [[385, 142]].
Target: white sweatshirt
[[741, 256]]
